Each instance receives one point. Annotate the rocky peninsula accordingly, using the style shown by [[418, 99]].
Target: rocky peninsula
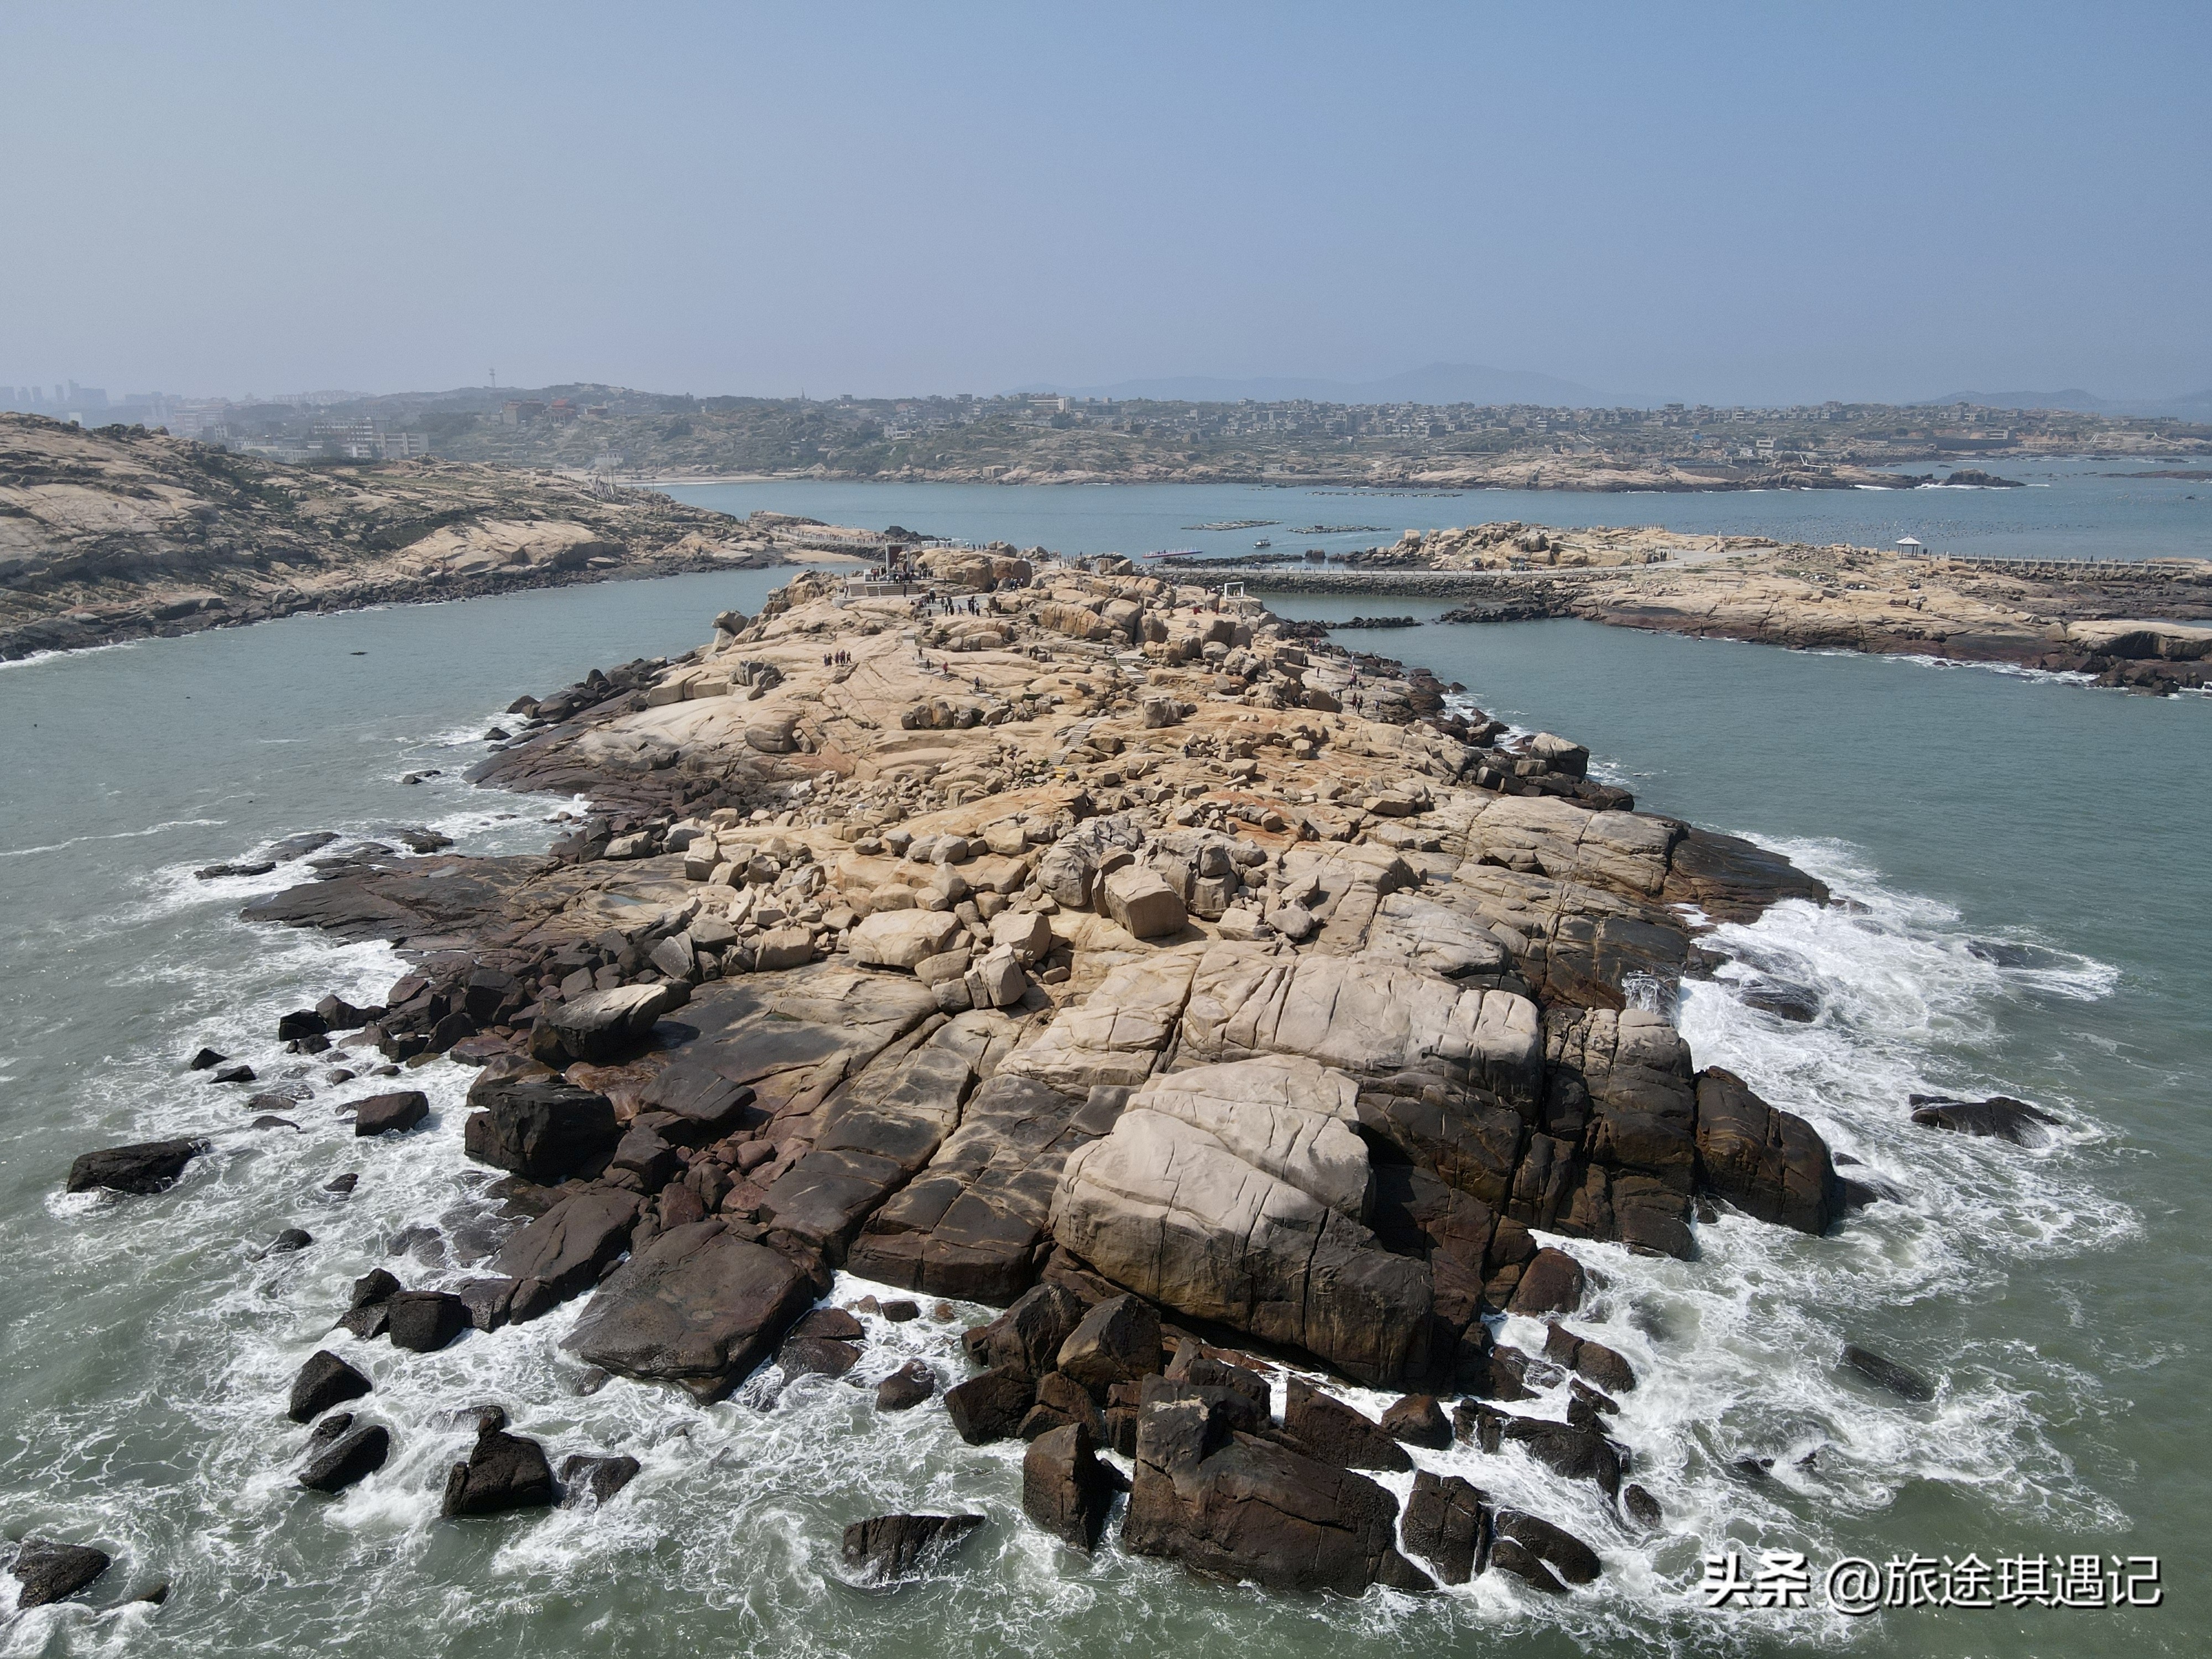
[[2143, 624], [120, 533], [1248, 1018]]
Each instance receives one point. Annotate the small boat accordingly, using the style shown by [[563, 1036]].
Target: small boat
[[1262, 542]]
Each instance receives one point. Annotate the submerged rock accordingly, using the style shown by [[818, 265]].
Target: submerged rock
[[390, 1114], [891, 1547], [1999, 1118], [1901, 1380], [906, 1388], [51, 1572], [146, 1166], [588, 1480], [354, 1457]]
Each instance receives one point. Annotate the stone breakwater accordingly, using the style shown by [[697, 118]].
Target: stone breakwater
[[1228, 1010], [2142, 625]]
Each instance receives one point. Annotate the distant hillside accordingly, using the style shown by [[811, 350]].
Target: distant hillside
[[1442, 384], [2194, 406]]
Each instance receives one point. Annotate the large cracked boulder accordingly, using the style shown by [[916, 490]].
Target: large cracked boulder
[[1284, 1115], [1232, 1505], [698, 1306], [1165, 1208], [1447, 1525], [1335, 1433], [1116, 1036], [606, 1026], [1118, 1341], [1066, 1489], [1615, 1150], [1138, 897], [900, 939], [538, 1125], [1768, 1163], [1368, 1018]]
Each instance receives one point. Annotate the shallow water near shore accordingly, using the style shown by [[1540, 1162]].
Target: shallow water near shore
[[2030, 889]]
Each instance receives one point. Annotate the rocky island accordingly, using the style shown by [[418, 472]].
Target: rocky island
[[1248, 1018], [121, 533]]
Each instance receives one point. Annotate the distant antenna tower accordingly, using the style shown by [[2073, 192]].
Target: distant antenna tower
[[495, 378]]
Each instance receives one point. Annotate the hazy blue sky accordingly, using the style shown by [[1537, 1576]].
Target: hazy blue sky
[[1759, 203]]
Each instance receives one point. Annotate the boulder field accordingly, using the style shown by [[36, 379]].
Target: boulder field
[[1230, 1009]]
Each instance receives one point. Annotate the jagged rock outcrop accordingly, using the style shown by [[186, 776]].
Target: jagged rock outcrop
[[1229, 1503]]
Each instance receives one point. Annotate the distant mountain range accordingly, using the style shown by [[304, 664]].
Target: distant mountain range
[[1438, 383]]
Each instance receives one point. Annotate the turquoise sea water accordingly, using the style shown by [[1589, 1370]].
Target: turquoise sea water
[[2068, 509], [2029, 886]]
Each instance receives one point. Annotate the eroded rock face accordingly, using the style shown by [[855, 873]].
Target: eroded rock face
[[1363, 1018], [699, 1307], [1162, 1206], [975, 1222], [1768, 1163], [567, 1248], [1283, 1115], [1230, 1503]]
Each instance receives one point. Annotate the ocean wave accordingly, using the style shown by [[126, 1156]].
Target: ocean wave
[[118, 834]]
